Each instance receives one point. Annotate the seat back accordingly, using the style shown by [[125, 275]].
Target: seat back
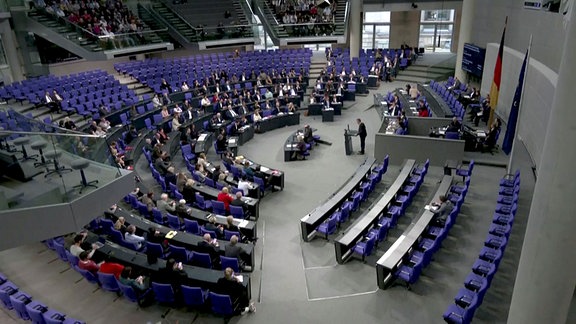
[[221, 304], [192, 296], [228, 235], [191, 226], [173, 221], [218, 207], [202, 260], [108, 282], [128, 292], [237, 211], [61, 251], [229, 263], [19, 301], [154, 249], [163, 293], [89, 276], [178, 253]]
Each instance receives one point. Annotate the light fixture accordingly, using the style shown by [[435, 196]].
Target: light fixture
[[414, 6]]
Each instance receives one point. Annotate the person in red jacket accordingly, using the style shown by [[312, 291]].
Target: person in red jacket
[[111, 268], [225, 197]]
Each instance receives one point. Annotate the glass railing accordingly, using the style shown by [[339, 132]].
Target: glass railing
[[317, 29], [106, 42], [44, 164]]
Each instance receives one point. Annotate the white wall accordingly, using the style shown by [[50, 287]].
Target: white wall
[[546, 28], [537, 95]]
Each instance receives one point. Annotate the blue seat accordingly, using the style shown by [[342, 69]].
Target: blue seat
[[409, 274], [133, 296], [328, 227], [202, 260], [230, 263], [201, 203], [155, 250], [228, 235], [174, 222], [180, 254], [193, 296], [40, 314], [222, 305], [89, 276], [218, 208], [457, 314], [163, 293], [19, 301], [365, 246], [108, 282], [465, 172], [203, 231], [6, 290], [191, 226], [238, 212]]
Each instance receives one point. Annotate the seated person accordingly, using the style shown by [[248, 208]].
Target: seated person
[[80, 246], [237, 201], [454, 126], [131, 237], [119, 225], [444, 207], [139, 283], [302, 148], [248, 170], [230, 224], [212, 226], [155, 236], [165, 206], [171, 274], [493, 133], [231, 286], [225, 197], [86, 264], [244, 185], [182, 209], [232, 250], [111, 267], [200, 175]]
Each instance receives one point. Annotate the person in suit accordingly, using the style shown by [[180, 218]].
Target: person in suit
[[232, 250], [165, 206], [231, 286], [188, 191], [235, 128], [308, 136], [172, 274], [237, 201], [454, 125], [212, 226], [362, 133]]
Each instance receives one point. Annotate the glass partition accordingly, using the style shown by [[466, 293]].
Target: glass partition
[[45, 164], [436, 30]]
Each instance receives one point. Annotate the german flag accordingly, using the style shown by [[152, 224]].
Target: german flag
[[495, 88]]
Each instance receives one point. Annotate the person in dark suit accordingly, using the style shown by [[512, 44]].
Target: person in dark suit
[[237, 201], [308, 136], [362, 133], [231, 286], [232, 250], [444, 207], [454, 126], [212, 226]]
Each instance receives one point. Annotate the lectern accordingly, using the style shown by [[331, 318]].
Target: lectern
[[348, 133]]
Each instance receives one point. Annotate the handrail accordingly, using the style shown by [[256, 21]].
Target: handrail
[[66, 130], [78, 134], [177, 15]]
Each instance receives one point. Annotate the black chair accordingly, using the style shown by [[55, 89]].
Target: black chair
[[81, 164], [58, 169]]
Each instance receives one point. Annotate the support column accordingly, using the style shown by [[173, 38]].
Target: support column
[[545, 280], [355, 27], [464, 35], [11, 52]]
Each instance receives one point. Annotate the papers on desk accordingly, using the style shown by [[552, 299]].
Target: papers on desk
[[389, 132], [430, 207], [232, 140], [171, 234], [240, 278], [411, 101], [243, 223], [291, 145], [441, 131], [480, 133], [264, 169], [202, 137]]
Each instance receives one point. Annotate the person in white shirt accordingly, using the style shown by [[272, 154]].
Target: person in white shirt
[[156, 101], [244, 185], [131, 236], [185, 86]]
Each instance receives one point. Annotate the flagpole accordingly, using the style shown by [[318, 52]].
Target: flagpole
[[520, 104]]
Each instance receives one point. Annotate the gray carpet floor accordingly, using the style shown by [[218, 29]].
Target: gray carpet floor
[[295, 281]]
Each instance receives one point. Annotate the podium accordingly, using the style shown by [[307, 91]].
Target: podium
[[348, 134]]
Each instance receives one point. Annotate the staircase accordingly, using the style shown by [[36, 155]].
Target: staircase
[[179, 28], [74, 40], [340, 18], [317, 63], [431, 66], [154, 23]]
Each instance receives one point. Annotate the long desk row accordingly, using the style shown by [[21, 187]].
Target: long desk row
[[197, 276], [278, 121], [316, 109], [310, 222], [436, 103], [392, 259], [345, 243], [274, 177], [183, 239], [408, 105]]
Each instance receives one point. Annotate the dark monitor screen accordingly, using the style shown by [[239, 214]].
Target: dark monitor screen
[[473, 59]]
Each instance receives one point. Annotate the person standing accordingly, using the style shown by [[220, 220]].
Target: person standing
[[362, 133]]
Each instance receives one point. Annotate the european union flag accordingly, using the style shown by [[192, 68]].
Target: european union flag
[[513, 118]]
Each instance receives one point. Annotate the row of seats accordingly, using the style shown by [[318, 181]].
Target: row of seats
[[396, 209], [450, 97], [431, 241], [163, 293], [27, 308], [352, 203], [470, 297]]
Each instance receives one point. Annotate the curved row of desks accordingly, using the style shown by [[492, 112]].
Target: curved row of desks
[[310, 222], [197, 276], [344, 244], [436, 103], [183, 239], [392, 259]]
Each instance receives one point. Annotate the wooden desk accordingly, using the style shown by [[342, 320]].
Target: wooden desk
[[310, 222], [344, 244], [392, 259]]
